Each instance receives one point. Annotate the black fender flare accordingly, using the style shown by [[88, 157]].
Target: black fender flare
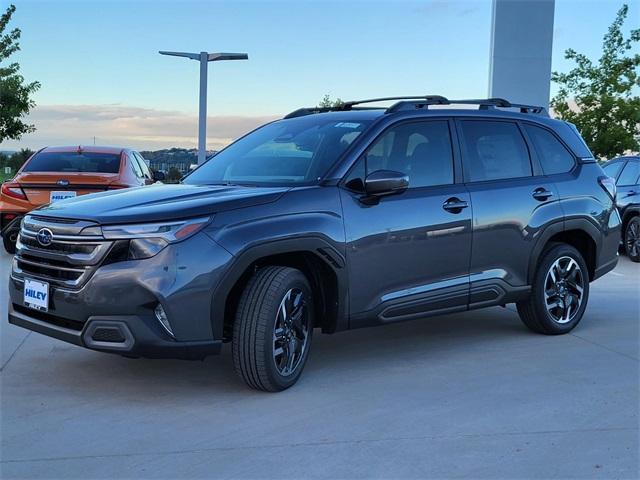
[[315, 245], [583, 224]]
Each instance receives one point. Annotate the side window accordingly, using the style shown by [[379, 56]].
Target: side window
[[494, 150], [421, 150], [134, 165], [612, 169], [554, 157], [629, 175], [143, 165]]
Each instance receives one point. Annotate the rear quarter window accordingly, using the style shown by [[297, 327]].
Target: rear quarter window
[[629, 175], [553, 156], [612, 169], [87, 162]]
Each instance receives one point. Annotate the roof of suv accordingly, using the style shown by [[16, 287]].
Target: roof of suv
[[373, 113], [431, 105]]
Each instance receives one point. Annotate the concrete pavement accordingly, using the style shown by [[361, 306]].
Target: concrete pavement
[[468, 395]]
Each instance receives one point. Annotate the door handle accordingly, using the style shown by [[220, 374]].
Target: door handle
[[542, 194], [454, 205]]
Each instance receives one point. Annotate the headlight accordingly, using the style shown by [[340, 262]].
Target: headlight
[[148, 239]]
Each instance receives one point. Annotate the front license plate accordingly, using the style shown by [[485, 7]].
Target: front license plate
[[36, 294], [61, 195]]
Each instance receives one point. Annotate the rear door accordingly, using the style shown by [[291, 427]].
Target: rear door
[[512, 201], [628, 184]]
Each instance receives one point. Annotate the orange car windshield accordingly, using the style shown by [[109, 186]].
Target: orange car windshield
[[88, 162]]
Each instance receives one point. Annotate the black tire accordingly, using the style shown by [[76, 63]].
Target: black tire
[[255, 335], [632, 239], [9, 240], [534, 312]]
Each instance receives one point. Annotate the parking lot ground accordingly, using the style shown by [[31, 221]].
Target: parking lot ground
[[471, 395]]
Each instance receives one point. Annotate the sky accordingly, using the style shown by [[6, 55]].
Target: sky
[[102, 76]]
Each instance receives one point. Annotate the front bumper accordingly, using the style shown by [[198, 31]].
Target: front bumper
[[114, 310], [131, 335]]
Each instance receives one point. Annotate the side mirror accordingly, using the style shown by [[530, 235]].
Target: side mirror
[[385, 182], [158, 176]]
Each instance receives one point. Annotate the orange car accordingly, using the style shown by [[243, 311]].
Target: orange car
[[57, 173]]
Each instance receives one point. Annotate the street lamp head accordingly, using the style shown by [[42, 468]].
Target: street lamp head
[[213, 57], [192, 56]]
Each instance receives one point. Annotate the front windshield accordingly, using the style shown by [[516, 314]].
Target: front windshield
[[287, 152]]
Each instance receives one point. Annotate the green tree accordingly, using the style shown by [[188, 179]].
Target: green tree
[[600, 98], [15, 93], [17, 159], [326, 102], [14, 161], [173, 175]]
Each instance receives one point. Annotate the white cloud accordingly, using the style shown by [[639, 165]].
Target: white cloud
[[136, 127]]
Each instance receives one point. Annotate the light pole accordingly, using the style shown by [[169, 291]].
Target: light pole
[[205, 58]]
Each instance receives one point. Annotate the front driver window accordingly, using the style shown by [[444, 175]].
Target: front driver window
[[421, 150]]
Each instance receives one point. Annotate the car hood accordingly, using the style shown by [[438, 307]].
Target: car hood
[[159, 202]]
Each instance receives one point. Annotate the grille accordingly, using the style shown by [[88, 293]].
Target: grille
[[66, 221], [71, 257], [33, 244]]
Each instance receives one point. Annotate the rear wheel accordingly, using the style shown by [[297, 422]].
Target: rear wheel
[[9, 240], [559, 294], [632, 239], [273, 329]]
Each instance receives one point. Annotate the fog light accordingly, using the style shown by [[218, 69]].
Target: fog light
[[162, 318]]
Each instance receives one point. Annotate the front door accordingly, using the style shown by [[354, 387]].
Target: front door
[[408, 254]]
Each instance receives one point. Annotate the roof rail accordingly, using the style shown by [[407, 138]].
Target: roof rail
[[301, 112], [435, 99], [421, 101], [502, 103], [484, 104]]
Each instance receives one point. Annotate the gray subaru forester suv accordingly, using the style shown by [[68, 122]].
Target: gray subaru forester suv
[[331, 219]]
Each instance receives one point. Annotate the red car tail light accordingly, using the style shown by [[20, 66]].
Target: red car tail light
[[13, 190]]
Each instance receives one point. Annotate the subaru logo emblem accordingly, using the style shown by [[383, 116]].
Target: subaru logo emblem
[[44, 237], [63, 182]]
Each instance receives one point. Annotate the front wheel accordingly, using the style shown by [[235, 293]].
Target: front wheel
[[632, 239], [273, 329], [559, 293]]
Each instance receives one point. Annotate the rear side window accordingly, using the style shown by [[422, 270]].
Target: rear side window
[[630, 173], [87, 162], [143, 165], [554, 157], [136, 167], [494, 150], [612, 169]]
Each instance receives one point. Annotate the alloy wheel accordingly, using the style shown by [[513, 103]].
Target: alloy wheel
[[290, 332], [564, 289], [632, 240]]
